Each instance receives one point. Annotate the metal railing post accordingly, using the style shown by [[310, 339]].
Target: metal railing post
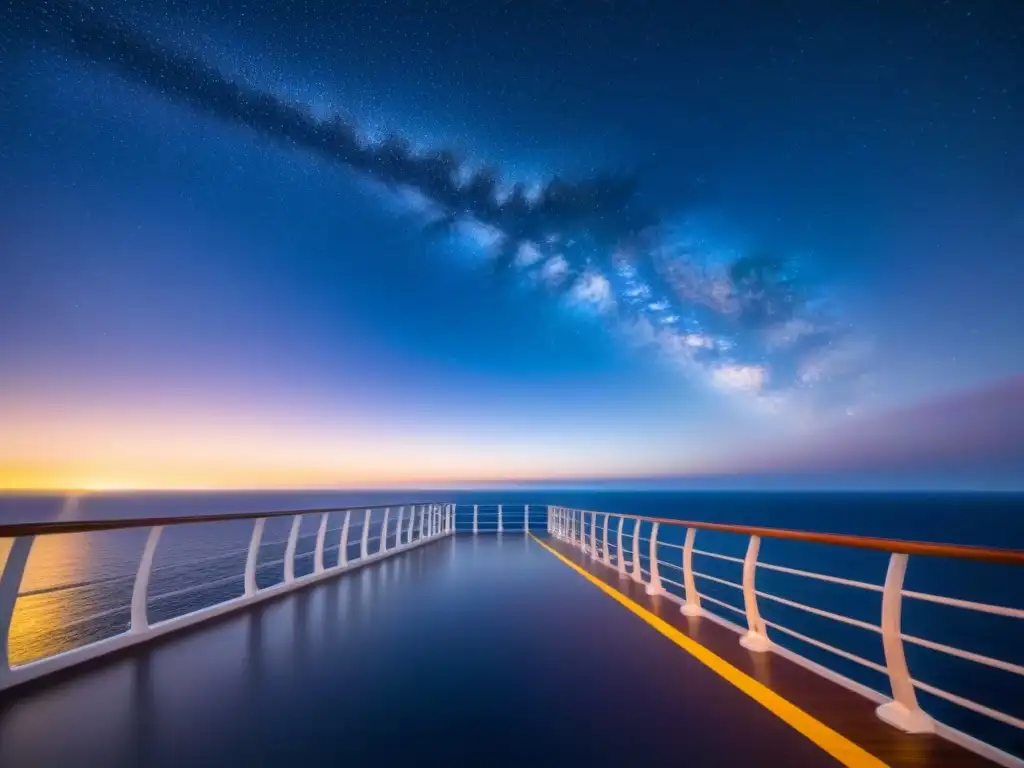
[[526, 519], [289, 550], [364, 544], [594, 546], [607, 555], [903, 711], [398, 527], [620, 556], [412, 524], [637, 575], [500, 526], [422, 530], [692, 605], [476, 519], [756, 638], [10, 584], [384, 532], [654, 587], [343, 543], [140, 592], [252, 557], [318, 553]]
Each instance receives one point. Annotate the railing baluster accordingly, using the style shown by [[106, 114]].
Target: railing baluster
[[343, 544], [289, 550], [606, 556], [140, 592], [10, 584], [756, 638], [476, 519], [654, 587], [526, 519], [364, 544], [692, 605], [384, 533], [252, 557], [318, 553], [412, 524], [500, 526], [620, 556], [422, 530], [637, 575], [398, 527], [903, 711], [594, 545]]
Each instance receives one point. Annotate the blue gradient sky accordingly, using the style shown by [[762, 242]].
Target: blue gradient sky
[[187, 303]]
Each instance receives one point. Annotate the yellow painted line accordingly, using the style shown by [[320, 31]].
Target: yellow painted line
[[841, 748]]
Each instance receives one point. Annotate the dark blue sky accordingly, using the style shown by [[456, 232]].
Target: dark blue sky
[[737, 226]]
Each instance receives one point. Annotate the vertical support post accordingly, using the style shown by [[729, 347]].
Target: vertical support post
[[140, 592], [343, 544], [398, 527], [655, 587], [412, 524], [423, 531], [637, 575], [756, 638], [903, 711], [692, 605], [594, 546], [607, 554], [364, 544], [289, 550], [620, 555], [10, 584], [384, 532], [577, 530], [318, 553], [451, 519], [500, 526], [253, 556], [526, 519], [476, 519]]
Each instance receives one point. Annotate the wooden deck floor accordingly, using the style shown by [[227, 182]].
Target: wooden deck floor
[[839, 708]]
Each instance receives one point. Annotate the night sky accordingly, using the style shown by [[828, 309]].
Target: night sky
[[285, 244]]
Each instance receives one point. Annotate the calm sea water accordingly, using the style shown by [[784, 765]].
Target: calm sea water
[[77, 587]]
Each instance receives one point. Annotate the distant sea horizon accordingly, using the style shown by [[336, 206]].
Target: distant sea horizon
[[980, 517]]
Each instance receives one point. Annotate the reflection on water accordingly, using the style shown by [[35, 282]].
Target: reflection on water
[[77, 588]]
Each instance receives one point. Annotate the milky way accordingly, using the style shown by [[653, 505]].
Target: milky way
[[746, 326]]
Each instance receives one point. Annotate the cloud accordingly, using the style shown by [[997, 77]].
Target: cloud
[[593, 290], [554, 270], [739, 378]]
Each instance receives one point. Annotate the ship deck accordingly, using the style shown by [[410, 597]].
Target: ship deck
[[489, 650]]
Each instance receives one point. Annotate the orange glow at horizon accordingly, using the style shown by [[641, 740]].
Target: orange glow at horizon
[[154, 456]]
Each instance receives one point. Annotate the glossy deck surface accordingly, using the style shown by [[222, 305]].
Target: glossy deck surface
[[470, 651]]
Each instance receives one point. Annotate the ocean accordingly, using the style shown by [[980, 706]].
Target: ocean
[[77, 588]]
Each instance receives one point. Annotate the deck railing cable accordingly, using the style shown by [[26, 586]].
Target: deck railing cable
[[365, 535], [638, 552]]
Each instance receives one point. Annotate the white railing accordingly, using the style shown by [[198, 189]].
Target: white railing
[[378, 532], [498, 518], [638, 548]]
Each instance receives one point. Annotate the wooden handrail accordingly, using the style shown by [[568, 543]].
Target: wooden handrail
[[15, 530], [933, 549]]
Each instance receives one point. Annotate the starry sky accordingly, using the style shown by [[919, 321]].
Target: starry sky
[[289, 244]]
